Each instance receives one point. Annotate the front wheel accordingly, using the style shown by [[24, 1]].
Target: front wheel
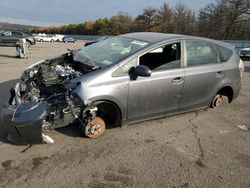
[[95, 128], [28, 43]]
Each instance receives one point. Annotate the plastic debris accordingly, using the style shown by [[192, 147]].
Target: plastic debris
[[47, 139], [243, 127]]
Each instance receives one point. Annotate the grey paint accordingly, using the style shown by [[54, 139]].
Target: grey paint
[[146, 98]]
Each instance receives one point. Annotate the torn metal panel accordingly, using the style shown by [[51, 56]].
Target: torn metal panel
[[43, 100], [24, 122]]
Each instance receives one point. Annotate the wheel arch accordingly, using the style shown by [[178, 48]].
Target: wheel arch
[[110, 111], [227, 91]]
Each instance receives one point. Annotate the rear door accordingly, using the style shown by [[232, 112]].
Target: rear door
[[9, 39], [203, 73]]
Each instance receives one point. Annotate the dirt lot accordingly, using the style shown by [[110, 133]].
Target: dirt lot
[[198, 149]]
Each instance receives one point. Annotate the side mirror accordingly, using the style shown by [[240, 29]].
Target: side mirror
[[140, 70]]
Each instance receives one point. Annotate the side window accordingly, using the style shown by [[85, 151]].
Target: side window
[[124, 69], [7, 33], [200, 53], [16, 34], [163, 58], [224, 53]]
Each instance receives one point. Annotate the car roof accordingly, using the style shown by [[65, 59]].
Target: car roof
[[151, 37], [154, 37]]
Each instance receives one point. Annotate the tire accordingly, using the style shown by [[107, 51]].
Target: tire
[[52, 40], [41, 40], [95, 128], [28, 43]]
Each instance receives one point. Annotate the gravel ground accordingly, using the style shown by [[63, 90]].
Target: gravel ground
[[198, 149]]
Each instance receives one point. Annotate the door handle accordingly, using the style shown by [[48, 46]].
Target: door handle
[[177, 80], [219, 74]]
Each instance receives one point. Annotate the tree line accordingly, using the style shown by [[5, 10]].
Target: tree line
[[222, 19]]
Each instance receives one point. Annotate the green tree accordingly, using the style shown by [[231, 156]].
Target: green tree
[[121, 23], [147, 20], [101, 27]]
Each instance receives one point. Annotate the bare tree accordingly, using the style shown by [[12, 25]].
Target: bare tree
[[165, 19], [225, 19], [147, 20], [183, 19]]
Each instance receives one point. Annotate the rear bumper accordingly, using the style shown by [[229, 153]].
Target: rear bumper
[[236, 90]]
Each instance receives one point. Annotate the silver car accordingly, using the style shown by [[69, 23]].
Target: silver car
[[119, 81]]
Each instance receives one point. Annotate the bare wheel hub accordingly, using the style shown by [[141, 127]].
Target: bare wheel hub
[[218, 99], [95, 128]]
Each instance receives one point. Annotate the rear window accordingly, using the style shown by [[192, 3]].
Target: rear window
[[224, 53]]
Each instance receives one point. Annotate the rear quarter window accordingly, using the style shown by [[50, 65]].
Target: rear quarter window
[[224, 53], [200, 53]]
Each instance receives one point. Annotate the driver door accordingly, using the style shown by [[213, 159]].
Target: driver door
[[160, 93]]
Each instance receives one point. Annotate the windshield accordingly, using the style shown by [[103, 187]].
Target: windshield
[[109, 51]]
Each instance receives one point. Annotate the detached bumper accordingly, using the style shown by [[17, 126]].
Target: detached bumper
[[24, 122]]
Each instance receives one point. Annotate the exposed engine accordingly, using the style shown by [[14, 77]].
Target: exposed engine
[[47, 82]]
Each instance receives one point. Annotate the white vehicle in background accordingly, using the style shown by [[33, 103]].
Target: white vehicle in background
[[59, 38], [244, 53], [47, 38], [39, 36]]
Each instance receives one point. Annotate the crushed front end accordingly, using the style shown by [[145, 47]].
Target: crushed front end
[[44, 100]]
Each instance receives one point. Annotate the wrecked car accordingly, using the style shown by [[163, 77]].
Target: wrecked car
[[119, 81]]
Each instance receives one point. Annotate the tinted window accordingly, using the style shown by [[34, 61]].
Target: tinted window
[[224, 53], [16, 34], [200, 53], [163, 58]]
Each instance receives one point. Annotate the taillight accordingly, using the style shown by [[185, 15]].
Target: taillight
[[241, 67]]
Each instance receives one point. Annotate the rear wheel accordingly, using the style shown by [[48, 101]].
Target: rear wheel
[[52, 40], [95, 128], [217, 101]]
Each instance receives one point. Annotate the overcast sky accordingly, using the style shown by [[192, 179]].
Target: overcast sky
[[59, 12]]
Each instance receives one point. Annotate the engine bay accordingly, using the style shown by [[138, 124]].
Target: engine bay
[[47, 83], [48, 79]]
